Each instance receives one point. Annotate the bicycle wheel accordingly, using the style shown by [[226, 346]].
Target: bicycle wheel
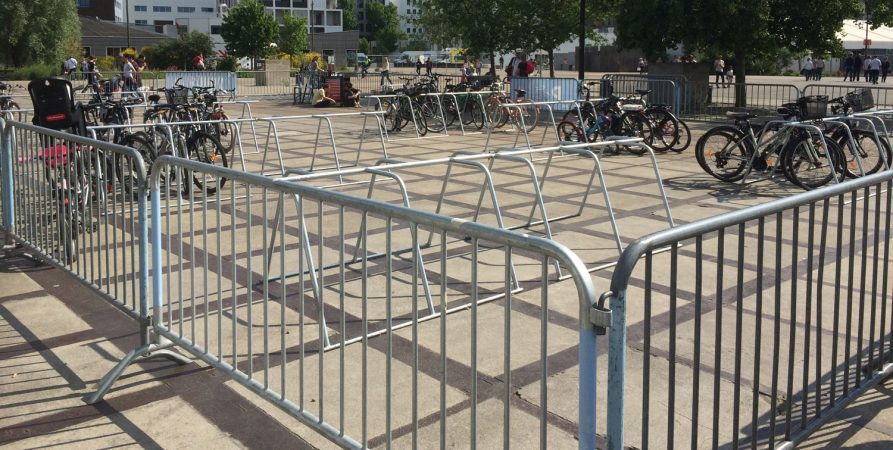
[[475, 114], [434, 121], [666, 133], [207, 149], [870, 155], [635, 124], [225, 132], [683, 139], [450, 110], [419, 120], [723, 153], [809, 164], [127, 172], [495, 113], [568, 131], [68, 232], [530, 114], [12, 111]]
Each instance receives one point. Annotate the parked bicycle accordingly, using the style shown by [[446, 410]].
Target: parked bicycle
[[9, 109], [501, 109]]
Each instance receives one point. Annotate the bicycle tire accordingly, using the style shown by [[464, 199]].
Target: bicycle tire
[[68, 251], [225, 132], [813, 169], [666, 133], [450, 111], [635, 124], [419, 121], [684, 138], [477, 115], [127, 173], [12, 111], [494, 112], [434, 122], [871, 157], [568, 131], [530, 114], [205, 148], [719, 147]]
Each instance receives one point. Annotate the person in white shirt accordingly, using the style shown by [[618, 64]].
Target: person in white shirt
[[127, 74], [874, 69], [719, 67], [807, 69], [71, 65], [385, 67]]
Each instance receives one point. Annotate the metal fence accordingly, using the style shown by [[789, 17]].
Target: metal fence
[[778, 320], [214, 298], [882, 96], [710, 101]]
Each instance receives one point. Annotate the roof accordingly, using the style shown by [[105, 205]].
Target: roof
[[93, 28], [853, 33]]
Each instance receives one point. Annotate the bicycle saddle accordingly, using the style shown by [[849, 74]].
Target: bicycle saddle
[[643, 91], [739, 115]]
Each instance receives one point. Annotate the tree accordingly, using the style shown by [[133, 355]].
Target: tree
[[39, 31], [742, 28], [348, 14], [292, 36], [180, 52], [480, 27], [248, 30], [384, 24], [363, 45]]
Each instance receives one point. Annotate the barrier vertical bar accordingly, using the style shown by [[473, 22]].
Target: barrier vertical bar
[[6, 182]]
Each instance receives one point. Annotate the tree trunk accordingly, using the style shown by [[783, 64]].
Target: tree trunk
[[740, 78], [492, 64], [551, 63]]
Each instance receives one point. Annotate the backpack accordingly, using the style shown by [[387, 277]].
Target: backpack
[[530, 67]]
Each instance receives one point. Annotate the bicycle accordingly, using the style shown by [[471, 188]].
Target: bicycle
[[604, 120], [668, 130], [523, 110], [405, 108], [464, 105], [730, 153], [866, 143], [9, 109]]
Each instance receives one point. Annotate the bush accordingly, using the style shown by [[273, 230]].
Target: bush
[[229, 64], [106, 63], [35, 71]]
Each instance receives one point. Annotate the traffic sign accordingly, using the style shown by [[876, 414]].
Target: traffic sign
[[866, 42]]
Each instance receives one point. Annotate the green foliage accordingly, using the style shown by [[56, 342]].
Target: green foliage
[[39, 32], [348, 14], [106, 63], [180, 52], [248, 30], [881, 12], [292, 35], [384, 23], [34, 72], [416, 44], [363, 45], [228, 64]]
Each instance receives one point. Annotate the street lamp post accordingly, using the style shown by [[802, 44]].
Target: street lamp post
[[127, 20], [582, 58]]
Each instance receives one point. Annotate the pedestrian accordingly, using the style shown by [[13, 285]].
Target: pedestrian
[[478, 66], [351, 95], [807, 68], [429, 66], [848, 66], [517, 66], [874, 69], [91, 76], [198, 63], [127, 76], [418, 64], [865, 69], [640, 67], [885, 68], [730, 74], [71, 66], [531, 66], [857, 66], [719, 70], [502, 61], [385, 68], [819, 68], [321, 98], [139, 66]]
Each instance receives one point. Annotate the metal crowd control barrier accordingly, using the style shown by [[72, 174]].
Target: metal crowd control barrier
[[227, 81], [52, 207], [759, 339], [575, 105], [882, 96], [539, 89], [710, 101], [268, 337], [665, 89]]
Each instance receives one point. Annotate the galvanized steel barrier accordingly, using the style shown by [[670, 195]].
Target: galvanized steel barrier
[[883, 96], [665, 90], [213, 299], [709, 101], [758, 325]]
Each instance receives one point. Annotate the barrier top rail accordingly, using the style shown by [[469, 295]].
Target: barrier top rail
[[301, 175]]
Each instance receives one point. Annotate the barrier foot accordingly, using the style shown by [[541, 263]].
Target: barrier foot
[[145, 351]]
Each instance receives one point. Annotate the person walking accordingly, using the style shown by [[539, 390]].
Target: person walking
[[819, 68], [139, 66], [127, 72], [866, 62], [429, 66], [874, 69], [385, 71], [857, 66], [885, 67], [719, 68], [808, 68], [848, 66], [418, 65]]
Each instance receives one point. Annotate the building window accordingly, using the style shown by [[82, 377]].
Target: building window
[[207, 10], [185, 9], [83, 3], [140, 8], [161, 9], [141, 22]]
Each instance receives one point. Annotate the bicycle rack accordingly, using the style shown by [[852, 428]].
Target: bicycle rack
[[379, 107], [273, 132], [316, 273], [808, 126]]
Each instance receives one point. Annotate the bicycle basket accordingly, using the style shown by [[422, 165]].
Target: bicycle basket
[[860, 99], [178, 96], [813, 107]]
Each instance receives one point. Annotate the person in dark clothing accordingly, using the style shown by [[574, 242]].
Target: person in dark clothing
[[429, 66], [885, 68], [848, 67], [857, 66], [351, 95]]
